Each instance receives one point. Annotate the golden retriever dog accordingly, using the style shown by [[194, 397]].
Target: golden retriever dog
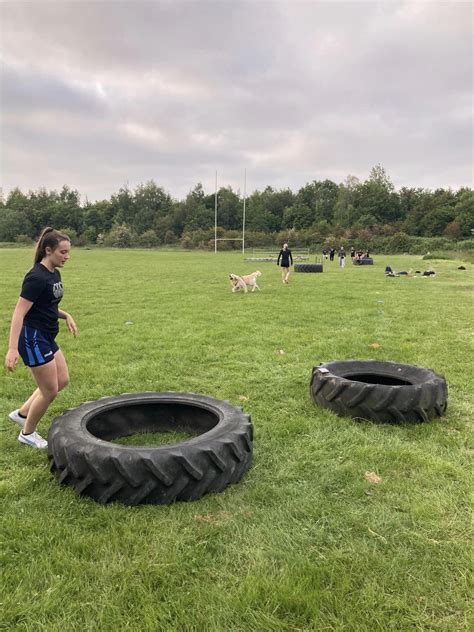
[[251, 280], [240, 282], [237, 283]]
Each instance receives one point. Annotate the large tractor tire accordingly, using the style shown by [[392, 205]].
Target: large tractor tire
[[308, 267], [381, 391], [366, 261], [81, 453]]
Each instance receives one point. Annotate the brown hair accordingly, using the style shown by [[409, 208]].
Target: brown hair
[[49, 238]]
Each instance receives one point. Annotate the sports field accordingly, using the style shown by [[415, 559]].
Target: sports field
[[310, 539]]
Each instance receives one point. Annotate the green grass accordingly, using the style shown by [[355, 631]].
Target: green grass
[[153, 438], [464, 257], [304, 542]]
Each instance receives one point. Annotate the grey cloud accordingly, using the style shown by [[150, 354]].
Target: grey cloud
[[110, 92]]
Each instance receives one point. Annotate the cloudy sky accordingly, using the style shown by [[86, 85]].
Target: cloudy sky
[[99, 94]]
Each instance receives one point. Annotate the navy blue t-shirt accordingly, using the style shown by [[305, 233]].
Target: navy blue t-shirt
[[45, 290]]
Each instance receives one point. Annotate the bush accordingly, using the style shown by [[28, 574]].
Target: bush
[[186, 241], [439, 255], [24, 240], [400, 242], [148, 239], [170, 237], [90, 235], [468, 244], [120, 237], [71, 233]]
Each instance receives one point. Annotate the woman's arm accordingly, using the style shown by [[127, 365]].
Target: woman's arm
[[71, 325], [279, 255], [21, 309]]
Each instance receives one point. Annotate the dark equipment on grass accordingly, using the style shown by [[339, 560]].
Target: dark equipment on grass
[[81, 453], [317, 266], [365, 261], [308, 267], [382, 391]]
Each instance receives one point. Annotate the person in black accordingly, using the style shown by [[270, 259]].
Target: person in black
[[33, 331], [286, 260], [332, 252], [353, 252]]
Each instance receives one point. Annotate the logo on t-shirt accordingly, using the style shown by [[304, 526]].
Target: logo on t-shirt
[[58, 289]]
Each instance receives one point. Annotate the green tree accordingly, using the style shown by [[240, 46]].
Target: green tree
[[298, 216], [377, 197], [265, 210], [123, 206], [194, 212], [67, 210], [14, 216], [151, 203], [346, 200], [229, 209], [464, 211], [320, 198]]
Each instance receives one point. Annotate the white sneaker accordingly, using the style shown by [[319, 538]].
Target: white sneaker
[[34, 439], [17, 418]]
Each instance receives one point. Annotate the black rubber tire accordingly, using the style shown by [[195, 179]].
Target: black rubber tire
[[308, 267], [381, 391], [81, 454], [367, 261]]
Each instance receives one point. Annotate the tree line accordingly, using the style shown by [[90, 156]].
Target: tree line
[[320, 212]]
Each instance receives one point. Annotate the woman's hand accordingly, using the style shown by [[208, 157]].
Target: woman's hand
[[11, 359], [71, 325]]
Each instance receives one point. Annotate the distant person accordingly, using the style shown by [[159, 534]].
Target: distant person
[[33, 330], [325, 253], [353, 252], [332, 252], [342, 257], [286, 260], [367, 254]]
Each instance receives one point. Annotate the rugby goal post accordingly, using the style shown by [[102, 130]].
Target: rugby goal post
[[216, 238]]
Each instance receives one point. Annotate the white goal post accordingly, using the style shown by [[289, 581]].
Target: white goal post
[[242, 239]]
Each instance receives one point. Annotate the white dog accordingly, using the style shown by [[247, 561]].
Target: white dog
[[251, 280], [237, 283], [240, 282]]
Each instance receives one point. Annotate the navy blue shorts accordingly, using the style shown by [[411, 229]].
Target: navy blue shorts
[[36, 347]]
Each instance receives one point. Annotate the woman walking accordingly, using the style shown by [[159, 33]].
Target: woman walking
[[342, 257], [286, 257], [33, 331]]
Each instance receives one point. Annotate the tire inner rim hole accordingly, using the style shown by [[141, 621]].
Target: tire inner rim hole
[[372, 378], [152, 417]]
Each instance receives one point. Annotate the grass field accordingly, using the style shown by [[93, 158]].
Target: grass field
[[305, 541]]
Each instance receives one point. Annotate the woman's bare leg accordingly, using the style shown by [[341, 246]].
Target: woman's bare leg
[[46, 376], [26, 406], [63, 381]]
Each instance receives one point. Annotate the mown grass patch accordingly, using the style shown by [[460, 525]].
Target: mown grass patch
[[306, 541], [153, 438]]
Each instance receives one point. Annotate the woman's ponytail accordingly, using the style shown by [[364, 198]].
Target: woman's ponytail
[[49, 238]]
